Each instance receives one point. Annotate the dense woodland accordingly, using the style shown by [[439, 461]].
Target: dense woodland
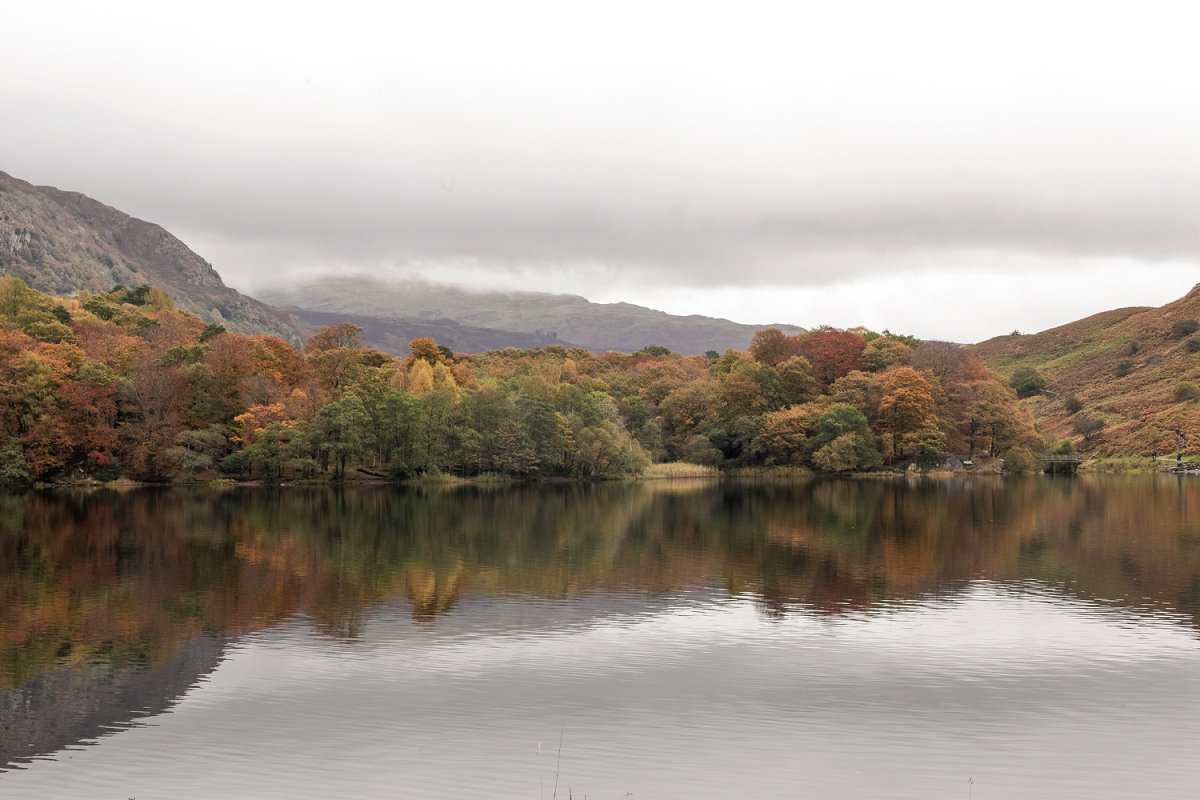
[[122, 383]]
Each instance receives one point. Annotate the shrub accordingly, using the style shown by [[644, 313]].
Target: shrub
[[1133, 347], [1185, 392], [1184, 327], [1065, 448], [1123, 369], [1071, 403], [1019, 459], [1192, 345], [1088, 426], [211, 331], [12, 464], [1027, 382], [233, 464], [699, 450], [850, 451]]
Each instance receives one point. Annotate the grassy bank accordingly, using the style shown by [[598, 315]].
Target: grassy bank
[[679, 469], [1134, 465]]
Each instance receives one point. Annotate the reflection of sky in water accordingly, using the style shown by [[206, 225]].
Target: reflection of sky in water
[[693, 694]]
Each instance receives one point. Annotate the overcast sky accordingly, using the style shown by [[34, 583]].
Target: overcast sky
[[952, 169]]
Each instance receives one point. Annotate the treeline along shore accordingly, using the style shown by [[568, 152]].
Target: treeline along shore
[[123, 384]]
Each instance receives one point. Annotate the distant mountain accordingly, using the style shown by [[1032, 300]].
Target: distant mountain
[[1123, 367], [64, 242], [392, 334], [596, 326]]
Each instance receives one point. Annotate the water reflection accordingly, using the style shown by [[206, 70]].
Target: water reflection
[[123, 578], [113, 604]]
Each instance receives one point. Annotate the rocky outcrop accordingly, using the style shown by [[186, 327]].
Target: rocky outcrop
[[65, 242]]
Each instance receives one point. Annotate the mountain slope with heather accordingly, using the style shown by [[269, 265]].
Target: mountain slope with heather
[[597, 326], [65, 242], [1128, 369]]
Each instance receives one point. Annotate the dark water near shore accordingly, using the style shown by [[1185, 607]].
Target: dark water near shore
[[982, 638]]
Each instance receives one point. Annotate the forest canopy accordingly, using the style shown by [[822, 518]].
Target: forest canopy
[[123, 383]]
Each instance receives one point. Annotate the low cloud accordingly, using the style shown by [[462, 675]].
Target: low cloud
[[782, 149]]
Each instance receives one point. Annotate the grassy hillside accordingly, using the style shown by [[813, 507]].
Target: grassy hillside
[[597, 326], [1123, 367]]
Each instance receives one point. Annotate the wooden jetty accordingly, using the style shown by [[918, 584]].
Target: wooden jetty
[[1061, 464]]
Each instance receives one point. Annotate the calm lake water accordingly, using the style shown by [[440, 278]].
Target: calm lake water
[[981, 638]]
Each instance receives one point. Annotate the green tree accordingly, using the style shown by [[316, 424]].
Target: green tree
[[854, 449], [342, 429]]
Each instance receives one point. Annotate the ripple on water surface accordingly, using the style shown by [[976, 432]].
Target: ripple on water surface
[[697, 693]]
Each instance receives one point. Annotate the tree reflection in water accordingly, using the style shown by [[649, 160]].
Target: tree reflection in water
[[123, 579]]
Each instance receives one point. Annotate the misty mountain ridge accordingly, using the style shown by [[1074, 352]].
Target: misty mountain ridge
[[64, 242], [393, 334], [563, 318]]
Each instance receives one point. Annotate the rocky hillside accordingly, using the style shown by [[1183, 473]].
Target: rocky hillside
[[567, 318], [64, 242], [1118, 382]]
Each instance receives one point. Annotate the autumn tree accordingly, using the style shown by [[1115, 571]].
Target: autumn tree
[[420, 377], [859, 389], [796, 378], [344, 336], [783, 436], [908, 414], [425, 349], [831, 352], [772, 347], [884, 352]]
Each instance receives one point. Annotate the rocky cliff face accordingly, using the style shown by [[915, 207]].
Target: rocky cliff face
[[65, 242]]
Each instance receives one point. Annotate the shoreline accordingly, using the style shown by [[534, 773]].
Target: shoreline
[[1110, 465]]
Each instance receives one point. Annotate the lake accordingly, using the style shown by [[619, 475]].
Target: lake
[[965, 639]]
